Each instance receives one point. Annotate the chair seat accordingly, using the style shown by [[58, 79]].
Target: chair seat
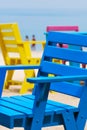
[[16, 108]]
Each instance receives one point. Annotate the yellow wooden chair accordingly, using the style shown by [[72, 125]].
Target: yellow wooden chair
[[16, 51]]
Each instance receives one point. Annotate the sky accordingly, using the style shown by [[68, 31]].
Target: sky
[[43, 4], [44, 7], [33, 13]]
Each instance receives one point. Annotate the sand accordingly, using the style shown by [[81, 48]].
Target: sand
[[14, 90]]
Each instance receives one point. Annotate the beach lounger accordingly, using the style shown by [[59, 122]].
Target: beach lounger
[[36, 111]]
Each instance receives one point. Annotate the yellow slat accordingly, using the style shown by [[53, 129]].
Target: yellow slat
[[7, 34], [37, 42], [6, 26], [12, 49], [14, 82], [10, 42]]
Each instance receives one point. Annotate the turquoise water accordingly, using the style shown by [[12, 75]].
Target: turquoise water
[[36, 22]]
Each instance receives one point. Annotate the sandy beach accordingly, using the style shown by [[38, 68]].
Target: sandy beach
[[14, 90]]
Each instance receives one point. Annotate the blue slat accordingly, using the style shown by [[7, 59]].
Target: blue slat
[[59, 69], [64, 106], [10, 112], [57, 79], [66, 54], [16, 107], [54, 103], [9, 116], [67, 88], [66, 38], [19, 67], [23, 101], [14, 100]]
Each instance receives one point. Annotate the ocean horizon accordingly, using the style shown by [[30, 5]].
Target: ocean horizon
[[35, 21]]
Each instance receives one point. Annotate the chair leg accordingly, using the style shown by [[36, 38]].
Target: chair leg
[[40, 105], [69, 121], [26, 85], [81, 122], [28, 124], [9, 77]]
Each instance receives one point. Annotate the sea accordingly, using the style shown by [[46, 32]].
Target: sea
[[35, 21]]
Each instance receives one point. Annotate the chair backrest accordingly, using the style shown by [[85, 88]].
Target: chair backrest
[[78, 56], [62, 28], [16, 51], [9, 38], [12, 45], [66, 29]]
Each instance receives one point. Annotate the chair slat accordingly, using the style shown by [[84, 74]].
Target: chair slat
[[66, 54], [8, 117], [71, 89], [66, 38], [15, 107], [62, 28], [59, 69], [6, 26], [10, 41], [7, 34], [12, 49]]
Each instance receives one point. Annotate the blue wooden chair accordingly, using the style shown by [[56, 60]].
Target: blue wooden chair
[[36, 111]]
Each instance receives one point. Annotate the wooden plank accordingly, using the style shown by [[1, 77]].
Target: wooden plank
[[6, 26], [9, 112], [19, 67], [7, 34], [57, 79], [28, 103], [10, 41], [60, 69], [51, 102], [12, 49], [62, 28], [15, 107], [54, 103], [36, 42], [67, 88], [62, 105], [66, 54], [66, 38], [9, 116], [18, 101]]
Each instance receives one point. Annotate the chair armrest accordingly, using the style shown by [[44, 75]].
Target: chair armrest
[[3, 70], [19, 67], [56, 79]]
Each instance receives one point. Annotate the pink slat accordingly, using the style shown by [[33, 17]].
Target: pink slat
[[62, 28]]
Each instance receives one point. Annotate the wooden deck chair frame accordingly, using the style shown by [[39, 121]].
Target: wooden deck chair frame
[[11, 42], [36, 111]]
